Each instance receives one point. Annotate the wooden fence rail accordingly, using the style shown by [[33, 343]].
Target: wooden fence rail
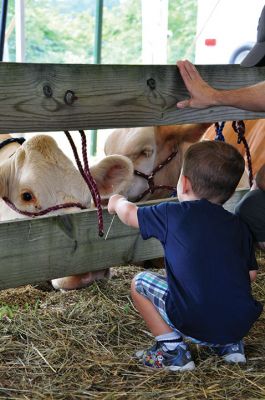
[[49, 97], [34, 250], [53, 97]]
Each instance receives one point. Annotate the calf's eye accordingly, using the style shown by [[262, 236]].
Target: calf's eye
[[26, 196], [148, 152]]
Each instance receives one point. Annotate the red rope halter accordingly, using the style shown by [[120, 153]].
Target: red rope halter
[[150, 178], [42, 212]]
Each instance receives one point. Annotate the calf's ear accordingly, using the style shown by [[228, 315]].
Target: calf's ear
[[114, 143], [113, 174], [182, 133]]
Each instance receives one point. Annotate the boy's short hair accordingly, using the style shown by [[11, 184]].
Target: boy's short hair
[[260, 178], [214, 169]]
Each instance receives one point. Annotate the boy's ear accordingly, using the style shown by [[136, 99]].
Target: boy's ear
[[186, 186]]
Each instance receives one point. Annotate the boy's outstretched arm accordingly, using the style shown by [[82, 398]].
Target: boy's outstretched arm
[[126, 211]]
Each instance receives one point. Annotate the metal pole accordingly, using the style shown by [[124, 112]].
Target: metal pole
[[98, 32], [97, 60], [3, 27], [20, 30]]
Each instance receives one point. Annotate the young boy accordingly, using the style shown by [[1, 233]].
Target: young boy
[[206, 295], [251, 208]]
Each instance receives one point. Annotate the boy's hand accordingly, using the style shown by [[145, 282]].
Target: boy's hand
[[126, 211], [112, 204]]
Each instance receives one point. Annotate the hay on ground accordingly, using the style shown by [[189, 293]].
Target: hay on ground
[[79, 345]]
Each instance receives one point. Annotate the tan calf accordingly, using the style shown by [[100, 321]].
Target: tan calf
[[37, 175]]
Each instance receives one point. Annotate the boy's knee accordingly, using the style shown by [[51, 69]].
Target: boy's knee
[[137, 286], [133, 288], [253, 275]]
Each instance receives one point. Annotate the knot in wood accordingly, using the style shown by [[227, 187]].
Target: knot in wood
[[69, 97], [47, 90], [151, 83]]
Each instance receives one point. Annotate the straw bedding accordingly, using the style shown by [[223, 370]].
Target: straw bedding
[[79, 345]]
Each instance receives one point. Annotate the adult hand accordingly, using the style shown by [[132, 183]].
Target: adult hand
[[202, 95]]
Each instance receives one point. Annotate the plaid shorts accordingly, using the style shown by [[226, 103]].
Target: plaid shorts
[[155, 288]]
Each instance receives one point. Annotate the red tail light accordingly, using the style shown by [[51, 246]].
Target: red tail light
[[210, 42]]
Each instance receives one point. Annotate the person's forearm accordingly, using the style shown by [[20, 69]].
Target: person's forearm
[[127, 212], [202, 95], [250, 98]]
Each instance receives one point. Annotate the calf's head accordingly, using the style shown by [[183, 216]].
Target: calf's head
[[150, 146], [39, 175]]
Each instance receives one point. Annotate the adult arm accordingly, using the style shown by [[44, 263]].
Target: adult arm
[[202, 95], [126, 211]]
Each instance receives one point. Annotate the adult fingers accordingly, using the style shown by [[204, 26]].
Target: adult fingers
[[184, 72], [183, 104]]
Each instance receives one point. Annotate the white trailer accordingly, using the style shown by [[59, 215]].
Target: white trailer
[[226, 30]]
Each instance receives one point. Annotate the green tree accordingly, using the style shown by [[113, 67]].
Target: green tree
[[58, 37], [63, 32], [54, 34], [182, 16], [122, 33]]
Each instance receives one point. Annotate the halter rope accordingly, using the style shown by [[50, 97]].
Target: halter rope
[[19, 140], [88, 178], [219, 126], [42, 212], [239, 128], [150, 178]]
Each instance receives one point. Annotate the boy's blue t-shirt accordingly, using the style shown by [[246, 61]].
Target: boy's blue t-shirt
[[208, 255]]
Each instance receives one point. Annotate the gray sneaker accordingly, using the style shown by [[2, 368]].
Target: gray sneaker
[[172, 360], [232, 353]]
